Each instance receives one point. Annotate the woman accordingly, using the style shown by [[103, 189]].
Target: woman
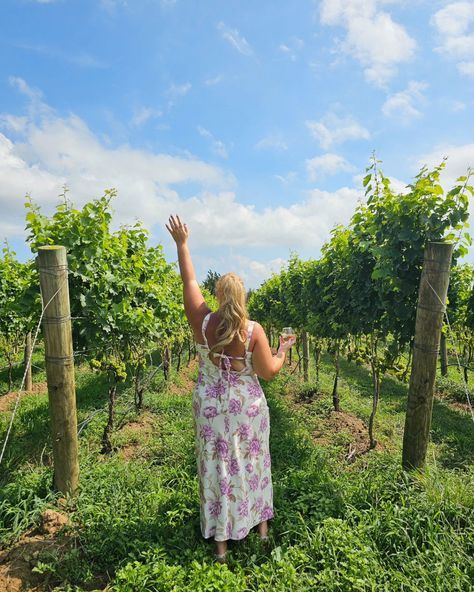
[[230, 411]]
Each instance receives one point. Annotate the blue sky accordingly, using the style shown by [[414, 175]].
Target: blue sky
[[253, 120]]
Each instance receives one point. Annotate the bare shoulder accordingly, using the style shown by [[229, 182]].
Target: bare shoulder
[[258, 333], [197, 321], [257, 328]]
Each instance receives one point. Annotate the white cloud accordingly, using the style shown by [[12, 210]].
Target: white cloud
[[13, 123], [457, 106], [54, 151], [60, 151], [111, 6], [213, 81], [397, 185], [32, 93], [179, 90], [144, 114], [218, 147], [252, 272], [466, 68], [460, 158], [327, 164], [372, 37], [81, 58], [292, 48], [454, 24], [272, 142], [176, 91], [402, 105], [235, 39], [331, 129], [288, 178], [298, 225]]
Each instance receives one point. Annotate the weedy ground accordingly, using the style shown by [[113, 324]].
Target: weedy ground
[[346, 519]]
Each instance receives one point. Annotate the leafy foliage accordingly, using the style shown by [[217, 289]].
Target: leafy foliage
[[19, 303], [125, 298], [210, 281]]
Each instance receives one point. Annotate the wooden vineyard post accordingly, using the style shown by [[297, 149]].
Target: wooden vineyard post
[[305, 340], [429, 320], [29, 376], [52, 264], [444, 355]]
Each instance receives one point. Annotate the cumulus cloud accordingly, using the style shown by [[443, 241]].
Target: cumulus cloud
[[372, 37], [403, 105], [327, 164], [304, 224], [454, 25], [253, 272], [332, 129], [48, 151], [51, 151], [460, 159], [236, 40]]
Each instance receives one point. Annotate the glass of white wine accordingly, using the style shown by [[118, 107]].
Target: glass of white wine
[[287, 333]]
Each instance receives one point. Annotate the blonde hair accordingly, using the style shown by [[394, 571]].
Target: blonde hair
[[230, 293]]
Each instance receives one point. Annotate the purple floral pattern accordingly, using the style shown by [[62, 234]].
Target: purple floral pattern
[[232, 431]]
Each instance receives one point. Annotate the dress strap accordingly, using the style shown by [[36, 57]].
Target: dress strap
[[250, 327], [204, 327]]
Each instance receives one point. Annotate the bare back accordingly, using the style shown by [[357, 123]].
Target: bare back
[[262, 358]]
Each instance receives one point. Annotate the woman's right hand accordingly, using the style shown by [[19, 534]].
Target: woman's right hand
[[178, 230], [286, 343]]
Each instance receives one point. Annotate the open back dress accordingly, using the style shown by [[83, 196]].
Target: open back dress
[[232, 430]]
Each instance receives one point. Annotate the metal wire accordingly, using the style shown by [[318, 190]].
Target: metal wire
[[456, 345], [28, 363]]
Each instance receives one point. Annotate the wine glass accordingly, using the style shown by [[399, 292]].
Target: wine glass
[[287, 333]]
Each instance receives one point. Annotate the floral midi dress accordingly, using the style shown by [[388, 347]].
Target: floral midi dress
[[232, 430]]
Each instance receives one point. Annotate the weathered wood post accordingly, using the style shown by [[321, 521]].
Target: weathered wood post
[[429, 319], [443, 355], [335, 393], [29, 376], [52, 264], [305, 340]]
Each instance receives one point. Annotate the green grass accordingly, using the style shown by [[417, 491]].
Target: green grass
[[337, 526]]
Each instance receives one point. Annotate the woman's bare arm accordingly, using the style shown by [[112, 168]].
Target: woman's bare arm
[[265, 364], [195, 306]]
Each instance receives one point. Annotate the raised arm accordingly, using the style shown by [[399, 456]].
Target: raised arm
[[265, 364], [194, 305]]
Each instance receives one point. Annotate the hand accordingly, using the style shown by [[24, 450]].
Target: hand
[[178, 230], [286, 344]]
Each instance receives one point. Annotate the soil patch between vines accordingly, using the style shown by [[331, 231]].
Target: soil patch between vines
[[7, 400], [16, 563]]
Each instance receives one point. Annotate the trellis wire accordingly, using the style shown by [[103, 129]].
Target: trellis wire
[[456, 345], [28, 363]]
